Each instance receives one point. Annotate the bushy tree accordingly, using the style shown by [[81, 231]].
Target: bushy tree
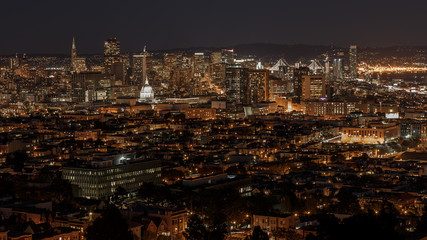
[[17, 159], [109, 226], [257, 234], [196, 229]]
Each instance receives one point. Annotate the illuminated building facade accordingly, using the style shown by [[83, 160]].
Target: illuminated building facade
[[78, 64], [259, 85], [137, 69], [200, 113], [101, 178], [297, 82], [374, 134], [320, 108], [353, 61], [237, 84], [313, 87], [147, 93], [338, 65], [111, 53]]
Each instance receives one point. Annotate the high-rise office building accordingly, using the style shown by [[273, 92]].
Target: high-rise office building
[[228, 56], [259, 85], [111, 53], [313, 87], [338, 65], [137, 69], [297, 81], [353, 61], [237, 84], [216, 57], [14, 62], [117, 73]]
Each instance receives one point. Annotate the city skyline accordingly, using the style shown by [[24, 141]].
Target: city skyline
[[191, 120], [47, 27]]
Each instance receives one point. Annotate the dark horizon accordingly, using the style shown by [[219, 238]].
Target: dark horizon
[[48, 26], [208, 48]]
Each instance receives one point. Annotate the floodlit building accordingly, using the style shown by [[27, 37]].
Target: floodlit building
[[374, 134], [147, 93], [101, 177], [313, 87]]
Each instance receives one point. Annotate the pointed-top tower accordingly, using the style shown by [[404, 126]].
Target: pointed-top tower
[[78, 64], [144, 64], [73, 49]]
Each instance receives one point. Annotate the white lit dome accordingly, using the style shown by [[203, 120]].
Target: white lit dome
[[146, 93]]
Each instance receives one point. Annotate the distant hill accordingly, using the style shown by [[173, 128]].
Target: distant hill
[[291, 53], [265, 51]]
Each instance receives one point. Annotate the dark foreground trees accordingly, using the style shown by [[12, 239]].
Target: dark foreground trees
[[257, 234], [381, 225], [198, 230], [109, 226]]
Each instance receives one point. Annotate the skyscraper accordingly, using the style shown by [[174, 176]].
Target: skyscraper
[[259, 85], [78, 64], [338, 65], [353, 61], [111, 53], [297, 81], [73, 50], [137, 69], [237, 84], [313, 87]]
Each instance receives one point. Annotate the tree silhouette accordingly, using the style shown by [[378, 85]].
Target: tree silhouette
[[422, 224], [196, 229], [258, 234], [119, 193], [218, 228], [109, 226], [17, 159]]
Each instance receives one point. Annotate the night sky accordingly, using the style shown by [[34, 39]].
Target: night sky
[[47, 26]]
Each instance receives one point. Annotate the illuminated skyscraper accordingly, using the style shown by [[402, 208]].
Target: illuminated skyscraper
[[73, 50], [313, 87], [78, 64], [137, 66], [338, 65], [111, 53], [14, 62], [353, 61], [237, 84], [259, 85], [297, 81]]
